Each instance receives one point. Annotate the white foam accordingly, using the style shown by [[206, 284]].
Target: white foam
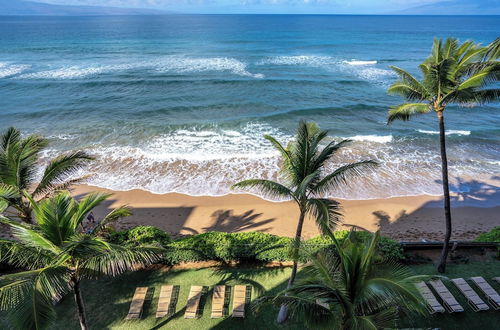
[[208, 160], [7, 69], [165, 64], [364, 70], [305, 60], [70, 72], [372, 138], [193, 64], [448, 132], [356, 62]]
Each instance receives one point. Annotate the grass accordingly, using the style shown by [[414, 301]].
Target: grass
[[107, 300]]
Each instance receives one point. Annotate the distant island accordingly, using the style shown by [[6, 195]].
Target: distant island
[[19, 7]]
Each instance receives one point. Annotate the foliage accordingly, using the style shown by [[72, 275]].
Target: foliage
[[248, 246], [19, 162], [141, 235], [57, 256], [490, 236], [453, 73], [348, 289]]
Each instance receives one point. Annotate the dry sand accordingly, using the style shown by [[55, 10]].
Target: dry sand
[[410, 218]]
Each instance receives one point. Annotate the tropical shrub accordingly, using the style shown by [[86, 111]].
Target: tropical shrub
[[141, 235], [490, 236], [248, 246]]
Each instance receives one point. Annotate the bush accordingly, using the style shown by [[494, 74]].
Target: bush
[[249, 246], [229, 246], [490, 236], [141, 235], [387, 248]]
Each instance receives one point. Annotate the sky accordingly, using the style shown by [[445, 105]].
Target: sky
[[294, 6]]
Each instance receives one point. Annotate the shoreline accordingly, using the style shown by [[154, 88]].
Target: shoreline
[[408, 218]]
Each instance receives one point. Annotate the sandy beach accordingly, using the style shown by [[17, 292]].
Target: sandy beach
[[411, 218]]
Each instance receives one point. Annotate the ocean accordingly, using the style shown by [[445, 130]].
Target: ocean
[[180, 103]]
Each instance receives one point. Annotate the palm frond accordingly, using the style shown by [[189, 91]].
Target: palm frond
[[407, 110], [266, 187], [408, 86], [89, 202], [113, 260], [18, 255], [342, 174], [28, 296], [326, 212], [29, 236], [113, 216], [7, 193], [493, 50], [59, 169]]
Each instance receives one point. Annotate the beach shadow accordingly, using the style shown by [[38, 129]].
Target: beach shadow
[[472, 192], [427, 222], [169, 219], [228, 221]]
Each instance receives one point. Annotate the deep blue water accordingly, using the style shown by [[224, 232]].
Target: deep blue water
[[180, 103]]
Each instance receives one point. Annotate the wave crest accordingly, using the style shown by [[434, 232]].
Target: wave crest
[[448, 132]]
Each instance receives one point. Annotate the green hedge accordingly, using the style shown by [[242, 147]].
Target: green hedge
[[250, 246], [140, 235], [490, 236]]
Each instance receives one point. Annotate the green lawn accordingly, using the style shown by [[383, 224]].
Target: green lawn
[[107, 300]]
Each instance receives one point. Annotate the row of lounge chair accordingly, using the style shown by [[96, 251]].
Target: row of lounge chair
[[451, 305], [169, 294]]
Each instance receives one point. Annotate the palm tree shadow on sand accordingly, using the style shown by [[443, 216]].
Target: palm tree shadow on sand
[[427, 222], [228, 221]]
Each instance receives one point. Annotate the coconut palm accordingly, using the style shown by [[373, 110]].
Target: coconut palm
[[19, 162], [350, 288], [304, 181], [57, 256], [454, 73]]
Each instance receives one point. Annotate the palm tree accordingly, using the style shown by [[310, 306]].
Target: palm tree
[[19, 162], [57, 256], [349, 288], [453, 74], [304, 180]]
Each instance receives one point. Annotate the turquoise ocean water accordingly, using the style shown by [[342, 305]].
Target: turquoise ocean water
[[180, 103]]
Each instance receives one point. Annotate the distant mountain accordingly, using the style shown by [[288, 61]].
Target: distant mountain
[[455, 7], [19, 7]]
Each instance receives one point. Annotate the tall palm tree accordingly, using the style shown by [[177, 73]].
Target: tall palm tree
[[304, 180], [19, 161], [453, 74], [349, 288], [58, 256]]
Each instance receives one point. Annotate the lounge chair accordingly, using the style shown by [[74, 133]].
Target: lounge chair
[[433, 305], [473, 299], [135, 310], [450, 303], [165, 300], [490, 293], [218, 299], [239, 300], [193, 302]]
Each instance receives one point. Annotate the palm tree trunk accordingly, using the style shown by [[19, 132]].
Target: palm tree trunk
[[79, 305], [446, 192], [283, 313]]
